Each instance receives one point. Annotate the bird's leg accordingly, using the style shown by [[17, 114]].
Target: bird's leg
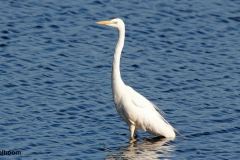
[[132, 129]]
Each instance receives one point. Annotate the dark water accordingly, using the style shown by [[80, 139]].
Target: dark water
[[55, 87]]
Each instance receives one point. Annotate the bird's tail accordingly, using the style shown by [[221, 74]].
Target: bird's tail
[[176, 131]]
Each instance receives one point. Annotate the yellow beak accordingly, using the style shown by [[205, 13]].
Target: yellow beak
[[104, 22]]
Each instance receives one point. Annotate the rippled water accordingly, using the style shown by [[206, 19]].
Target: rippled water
[[55, 66]]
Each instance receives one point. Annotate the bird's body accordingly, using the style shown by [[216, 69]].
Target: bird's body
[[135, 109]]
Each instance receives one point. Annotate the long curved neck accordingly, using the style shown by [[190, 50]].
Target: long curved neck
[[117, 82]]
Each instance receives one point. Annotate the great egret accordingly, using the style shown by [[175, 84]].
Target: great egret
[[135, 109]]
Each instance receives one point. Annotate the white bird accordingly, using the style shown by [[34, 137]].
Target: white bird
[[135, 109]]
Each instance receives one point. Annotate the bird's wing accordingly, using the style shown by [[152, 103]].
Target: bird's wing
[[142, 102]]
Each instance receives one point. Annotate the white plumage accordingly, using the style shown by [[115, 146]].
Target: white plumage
[[135, 109]]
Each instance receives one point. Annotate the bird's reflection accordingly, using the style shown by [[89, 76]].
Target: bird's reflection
[[148, 149]]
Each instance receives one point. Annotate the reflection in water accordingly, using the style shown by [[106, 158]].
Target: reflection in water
[[150, 149]]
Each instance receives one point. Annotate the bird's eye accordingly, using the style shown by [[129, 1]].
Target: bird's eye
[[115, 22]]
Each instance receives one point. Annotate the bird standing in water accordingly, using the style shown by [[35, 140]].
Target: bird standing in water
[[135, 109]]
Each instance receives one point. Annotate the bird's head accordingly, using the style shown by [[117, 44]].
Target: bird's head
[[116, 23]]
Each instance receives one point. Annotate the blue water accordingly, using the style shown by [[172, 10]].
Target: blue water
[[55, 82]]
